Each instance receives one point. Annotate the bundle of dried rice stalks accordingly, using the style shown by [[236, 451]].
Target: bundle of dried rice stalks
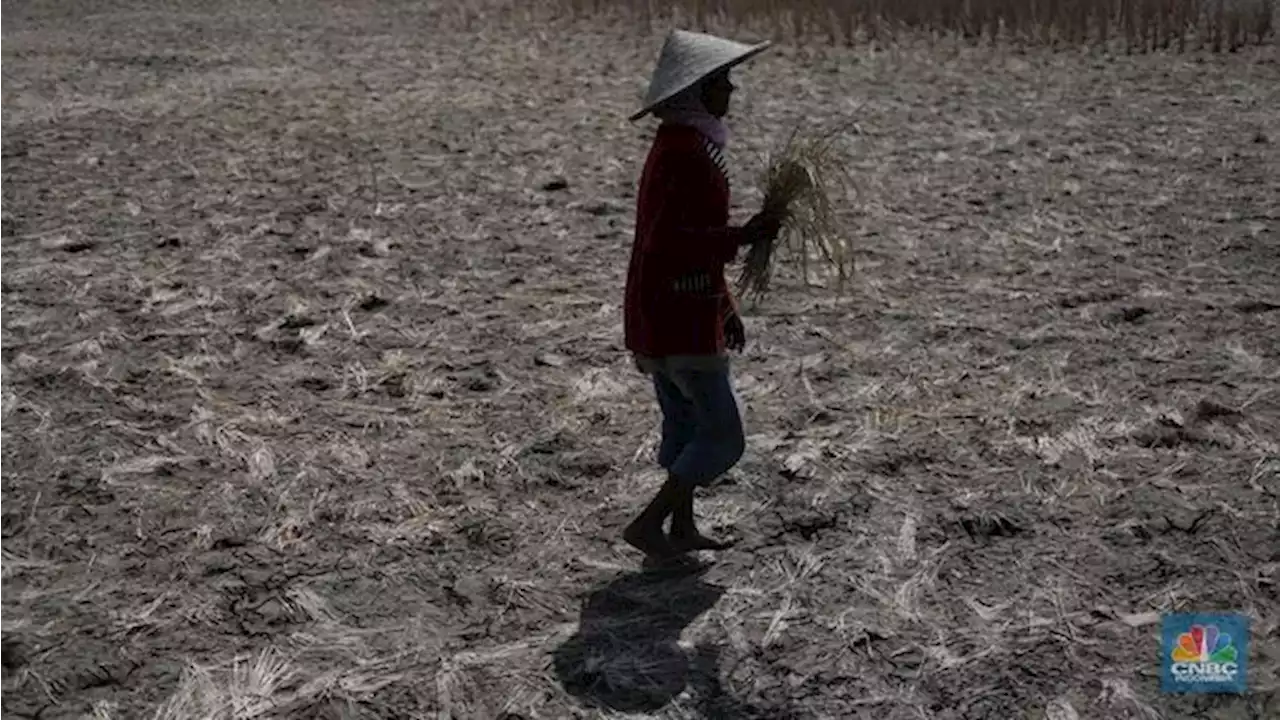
[[800, 182]]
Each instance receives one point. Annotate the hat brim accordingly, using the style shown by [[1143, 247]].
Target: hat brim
[[745, 56]]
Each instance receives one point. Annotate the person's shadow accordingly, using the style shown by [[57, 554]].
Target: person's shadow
[[625, 655]]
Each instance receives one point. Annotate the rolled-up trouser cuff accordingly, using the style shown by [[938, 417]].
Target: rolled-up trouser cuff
[[702, 432]]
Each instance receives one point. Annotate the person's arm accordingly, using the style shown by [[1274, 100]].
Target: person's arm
[[687, 246], [684, 243], [735, 332], [730, 303]]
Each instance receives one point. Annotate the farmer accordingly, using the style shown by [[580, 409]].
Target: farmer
[[680, 315]]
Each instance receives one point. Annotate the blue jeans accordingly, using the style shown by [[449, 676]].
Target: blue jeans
[[702, 433]]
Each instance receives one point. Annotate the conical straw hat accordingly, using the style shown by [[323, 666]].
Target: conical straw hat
[[688, 57]]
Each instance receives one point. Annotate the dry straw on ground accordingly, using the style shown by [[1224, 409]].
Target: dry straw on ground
[[280, 441], [799, 183]]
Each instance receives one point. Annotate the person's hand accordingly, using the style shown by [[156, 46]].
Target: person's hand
[[735, 333], [764, 226]]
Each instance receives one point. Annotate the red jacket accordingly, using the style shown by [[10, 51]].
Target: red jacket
[[676, 296]]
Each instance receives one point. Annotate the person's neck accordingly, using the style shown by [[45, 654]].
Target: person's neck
[[711, 127]]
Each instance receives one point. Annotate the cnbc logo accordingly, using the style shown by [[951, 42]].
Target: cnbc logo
[[1204, 653]]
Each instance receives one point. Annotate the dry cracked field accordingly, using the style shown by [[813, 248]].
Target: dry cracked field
[[315, 405]]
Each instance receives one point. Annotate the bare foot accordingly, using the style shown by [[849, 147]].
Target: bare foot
[[691, 541], [648, 540]]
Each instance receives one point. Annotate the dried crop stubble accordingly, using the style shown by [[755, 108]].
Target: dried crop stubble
[[803, 183]]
